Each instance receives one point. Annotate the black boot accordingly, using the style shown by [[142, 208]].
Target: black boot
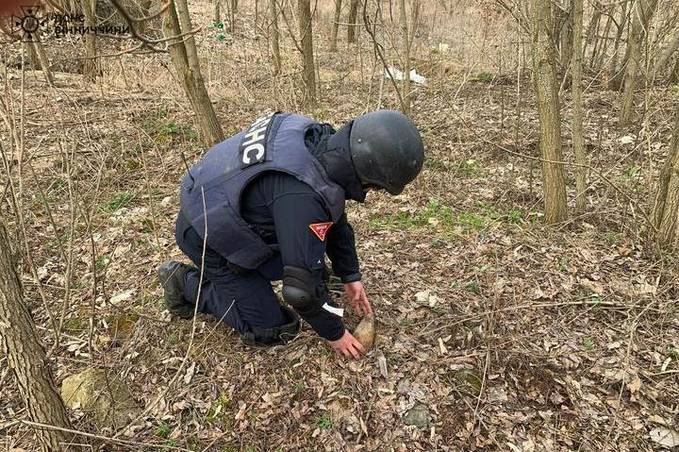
[[276, 335], [172, 278]]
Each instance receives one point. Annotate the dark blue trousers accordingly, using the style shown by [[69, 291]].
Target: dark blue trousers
[[239, 300]]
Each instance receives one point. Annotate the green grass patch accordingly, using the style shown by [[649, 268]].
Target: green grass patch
[[118, 201], [564, 264], [469, 168], [219, 412], [631, 174], [471, 221], [173, 338], [473, 287], [435, 164], [101, 262], [325, 421], [588, 343], [164, 131], [465, 168], [612, 238], [163, 430], [75, 325], [442, 218], [484, 77]]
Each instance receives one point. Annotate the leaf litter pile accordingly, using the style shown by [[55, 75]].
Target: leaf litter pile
[[493, 331]]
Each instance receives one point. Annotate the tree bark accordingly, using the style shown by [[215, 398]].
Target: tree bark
[[666, 207], [566, 36], [26, 355], [306, 40], [578, 136], [39, 50], [547, 89], [615, 76], [91, 66], [232, 15], [351, 29], [335, 26], [593, 26], [405, 31], [599, 51], [666, 55], [185, 60], [642, 11], [217, 11], [674, 76], [275, 46]]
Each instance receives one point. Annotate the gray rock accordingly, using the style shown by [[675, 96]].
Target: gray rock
[[418, 416], [102, 396]]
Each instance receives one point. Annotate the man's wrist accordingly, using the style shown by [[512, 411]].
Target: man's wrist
[[333, 338], [353, 277]]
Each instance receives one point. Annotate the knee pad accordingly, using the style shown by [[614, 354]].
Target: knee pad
[[299, 289]]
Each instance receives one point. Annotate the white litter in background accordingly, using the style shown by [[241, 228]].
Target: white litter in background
[[399, 75]]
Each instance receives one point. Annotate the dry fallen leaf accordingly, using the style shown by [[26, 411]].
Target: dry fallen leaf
[[594, 286], [189, 373], [665, 437], [382, 364], [122, 296], [634, 385]]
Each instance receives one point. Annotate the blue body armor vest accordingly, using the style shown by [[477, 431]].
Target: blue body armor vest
[[212, 188]]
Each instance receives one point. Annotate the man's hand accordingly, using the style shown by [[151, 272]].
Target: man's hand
[[348, 345], [358, 298]]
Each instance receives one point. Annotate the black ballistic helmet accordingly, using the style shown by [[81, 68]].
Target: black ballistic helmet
[[386, 150]]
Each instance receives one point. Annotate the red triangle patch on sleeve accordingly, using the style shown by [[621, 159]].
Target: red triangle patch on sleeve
[[320, 229]]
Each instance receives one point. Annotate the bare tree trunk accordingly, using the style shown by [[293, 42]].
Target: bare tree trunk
[[275, 47], [306, 40], [217, 11], [353, 13], [145, 7], [615, 76], [232, 15], [578, 136], [666, 55], [26, 355], [641, 16], [666, 207], [547, 89], [185, 60], [335, 26], [566, 36], [406, 56], [590, 35], [91, 67], [674, 76], [599, 51], [30, 50], [39, 50]]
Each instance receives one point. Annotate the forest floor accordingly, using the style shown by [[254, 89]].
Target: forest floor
[[498, 333]]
